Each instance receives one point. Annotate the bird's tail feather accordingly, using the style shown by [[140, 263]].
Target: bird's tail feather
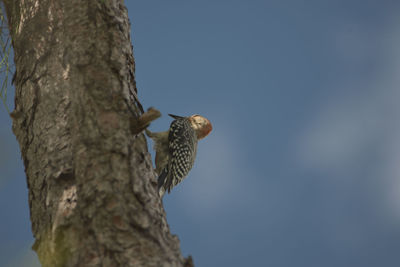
[[161, 181]]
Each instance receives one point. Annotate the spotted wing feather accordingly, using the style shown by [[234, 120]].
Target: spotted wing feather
[[182, 152]]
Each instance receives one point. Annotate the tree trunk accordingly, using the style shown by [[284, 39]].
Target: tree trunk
[[92, 190]]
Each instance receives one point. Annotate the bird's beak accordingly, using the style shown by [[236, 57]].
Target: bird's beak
[[175, 116]]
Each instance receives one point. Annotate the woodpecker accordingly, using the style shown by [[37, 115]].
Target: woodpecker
[[176, 149]]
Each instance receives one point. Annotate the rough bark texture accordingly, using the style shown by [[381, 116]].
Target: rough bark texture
[[92, 190]]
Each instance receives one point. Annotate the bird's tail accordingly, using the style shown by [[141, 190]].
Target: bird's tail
[[161, 181]]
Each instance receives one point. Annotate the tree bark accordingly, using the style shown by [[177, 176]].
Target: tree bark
[[92, 188]]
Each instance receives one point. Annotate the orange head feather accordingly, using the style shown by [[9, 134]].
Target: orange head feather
[[201, 125]]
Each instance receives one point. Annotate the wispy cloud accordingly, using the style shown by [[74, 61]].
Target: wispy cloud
[[365, 115], [217, 177]]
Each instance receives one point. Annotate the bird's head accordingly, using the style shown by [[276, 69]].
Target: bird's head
[[201, 125]]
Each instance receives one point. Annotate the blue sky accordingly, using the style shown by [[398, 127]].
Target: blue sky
[[302, 167]]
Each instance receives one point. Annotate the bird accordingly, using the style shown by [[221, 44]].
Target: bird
[[176, 149]]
